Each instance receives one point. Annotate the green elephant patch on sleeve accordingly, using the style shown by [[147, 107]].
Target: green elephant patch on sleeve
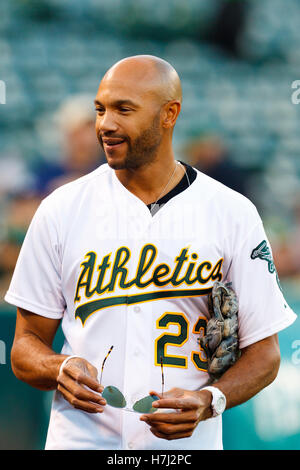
[[262, 251]]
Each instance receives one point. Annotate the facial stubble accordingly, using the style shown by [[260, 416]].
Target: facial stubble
[[143, 150]]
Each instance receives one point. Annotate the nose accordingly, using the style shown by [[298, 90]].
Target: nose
[[107, 123]]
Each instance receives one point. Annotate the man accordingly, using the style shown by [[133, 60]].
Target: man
[[125, 257]]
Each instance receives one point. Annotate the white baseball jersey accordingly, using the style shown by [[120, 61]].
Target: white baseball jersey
[[96, 258]]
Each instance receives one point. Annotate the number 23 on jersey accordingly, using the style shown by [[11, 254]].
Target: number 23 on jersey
[[178, 339]]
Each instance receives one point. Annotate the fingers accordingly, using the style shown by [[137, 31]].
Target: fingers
[[76, 376], [76, 402], [173, 392], [176, 403], [82, 375], [172, 425], [152, 392], [189, 408], [79, 391], [174, 418], [172, 432]]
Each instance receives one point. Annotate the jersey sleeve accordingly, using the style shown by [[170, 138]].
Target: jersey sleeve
[[36, 281], [263, 310]]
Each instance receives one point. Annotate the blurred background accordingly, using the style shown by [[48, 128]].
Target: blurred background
[[240, 123]]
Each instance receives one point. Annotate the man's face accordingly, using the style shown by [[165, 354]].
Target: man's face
[[127, 124]]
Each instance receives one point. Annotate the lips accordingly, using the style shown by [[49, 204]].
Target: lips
[[111, 142]]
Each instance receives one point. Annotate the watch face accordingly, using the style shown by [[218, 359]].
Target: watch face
[[220, 405]]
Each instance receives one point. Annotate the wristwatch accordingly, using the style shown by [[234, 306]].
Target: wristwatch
[[218, 403]]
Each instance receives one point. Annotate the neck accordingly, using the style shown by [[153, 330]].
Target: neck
[[154, 180]]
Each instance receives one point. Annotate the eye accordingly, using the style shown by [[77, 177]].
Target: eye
[[99, 110], [124, 109]]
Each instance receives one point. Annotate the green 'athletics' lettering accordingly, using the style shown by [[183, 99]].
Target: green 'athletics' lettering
[[86, 275], [161, 275]]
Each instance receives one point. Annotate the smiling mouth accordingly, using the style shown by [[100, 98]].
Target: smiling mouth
[[112, 143]]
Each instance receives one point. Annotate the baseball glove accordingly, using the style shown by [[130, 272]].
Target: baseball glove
[[220, 343]]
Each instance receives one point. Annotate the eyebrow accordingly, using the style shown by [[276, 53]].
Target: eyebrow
[[119, 103]]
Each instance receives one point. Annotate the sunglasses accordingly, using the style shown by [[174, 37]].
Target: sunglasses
[[115, 398]]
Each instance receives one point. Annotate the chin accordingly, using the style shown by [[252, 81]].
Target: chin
[[115, 164], [121, 163]]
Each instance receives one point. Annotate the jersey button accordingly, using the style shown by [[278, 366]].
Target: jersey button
[[130, 445], [137, 309]]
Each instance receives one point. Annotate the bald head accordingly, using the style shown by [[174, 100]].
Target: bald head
[[151, 73]]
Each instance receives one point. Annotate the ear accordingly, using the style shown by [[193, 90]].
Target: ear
[[170, 113]]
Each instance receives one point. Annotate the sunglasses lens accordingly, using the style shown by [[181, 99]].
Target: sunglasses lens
[[145, 404], [114, 397]]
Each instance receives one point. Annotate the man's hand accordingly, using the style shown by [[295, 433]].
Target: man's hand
[[35, 362], [76, 376], [190, 407]]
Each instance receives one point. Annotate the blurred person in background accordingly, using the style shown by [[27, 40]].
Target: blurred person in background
[[18, 203], [80, 150], [17, 215], [208, 154], [228, 25], [287, 249]]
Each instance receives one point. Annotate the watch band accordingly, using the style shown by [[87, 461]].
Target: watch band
[[218, 403]]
